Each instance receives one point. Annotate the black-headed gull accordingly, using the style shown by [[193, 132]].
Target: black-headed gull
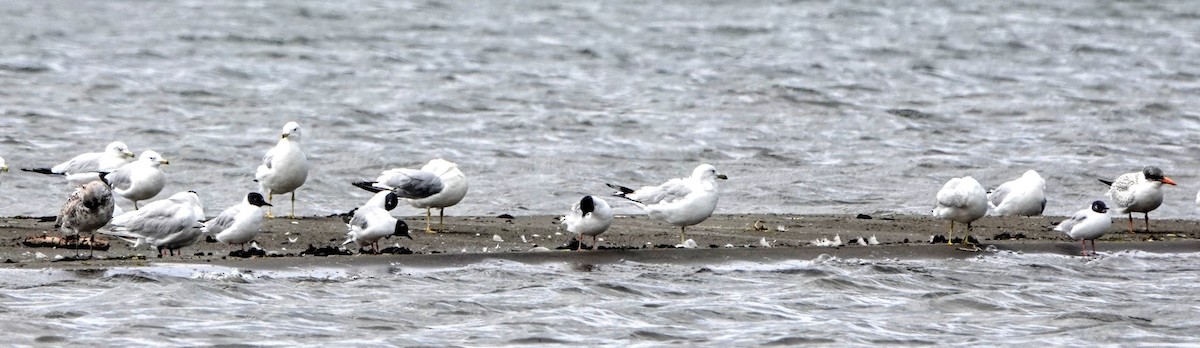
[[681, 201], [372, 222], [284, 168], [438, 184], [240, 223], [590, 216], [141, 179], [1139, 192], [1024, 196], [88, 209], [168, 224], [961, 200], [1087, 224]]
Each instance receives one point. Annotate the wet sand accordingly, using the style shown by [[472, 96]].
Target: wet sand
[[631, 238]]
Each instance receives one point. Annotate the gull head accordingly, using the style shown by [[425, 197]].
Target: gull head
[[153, 157], [401, 230], [256, 199], [707, 172], [1155, 174], [3, 165], [291, 131], [119, 149], [1099, 207]]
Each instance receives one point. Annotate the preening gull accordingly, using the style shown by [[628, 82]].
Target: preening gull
[[168, 224], [284, 168], [88, 209], [372, 222], [1139, 192], [115, 155], [590, 216], [1024, 196], [141, 179], [240, 223], [961, 200], [681, 201], [1087, 224], [438, 184]]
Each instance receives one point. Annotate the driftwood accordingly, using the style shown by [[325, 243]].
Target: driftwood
[[66, 242]]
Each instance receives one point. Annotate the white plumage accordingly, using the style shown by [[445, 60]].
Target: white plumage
[[240, 223], [1139, 192], [168, 224], [590, 217], [1024, 196], [438, 184], [961, 200], [141, 179], [1087, 224], [372, 222], [681, 201], [284, 168]]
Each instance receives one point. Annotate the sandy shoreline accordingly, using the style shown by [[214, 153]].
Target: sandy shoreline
[[632, 238]]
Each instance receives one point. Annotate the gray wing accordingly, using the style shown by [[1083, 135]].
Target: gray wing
[[997, 196], [667, 192], [1065, 225], [269, 156], [221, 222], [87, 162], [411, 183], [156, 220], [359, 220], [120, 178]]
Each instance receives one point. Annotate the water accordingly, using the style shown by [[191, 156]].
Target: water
[[809, 106], [1125, 298]]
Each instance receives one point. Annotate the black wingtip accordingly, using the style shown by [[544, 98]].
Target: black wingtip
[[367, 185], [1106, 182], [40, 171], [621, 190]]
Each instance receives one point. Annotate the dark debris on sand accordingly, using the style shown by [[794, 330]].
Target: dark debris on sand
[[324, 251]]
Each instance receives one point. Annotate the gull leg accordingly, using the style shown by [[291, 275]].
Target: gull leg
[[682, 235], [950, 236], [1147, 215], [1083, 247], [1093, 247], [595, 243], [1131, 223], [135, 207], [442, 219], [293, 214], [270, 199], [91, 245], [429, 220]]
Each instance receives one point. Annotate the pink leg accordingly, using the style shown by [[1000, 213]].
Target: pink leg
[[1083, 247], [1093, 247]]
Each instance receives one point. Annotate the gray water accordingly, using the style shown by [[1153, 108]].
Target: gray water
[[809, 107], [1118, 299]]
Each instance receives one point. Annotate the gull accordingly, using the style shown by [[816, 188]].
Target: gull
[[372, 222], [438, 184], [873, 240], [1138, 192], [3, 166], [1087, 224], [115, 155], [961, 200], [168, 224], [139, 180], [284, 168], [89, 208], [240, 223], [1024, 196], [681, 201], [591, 216]]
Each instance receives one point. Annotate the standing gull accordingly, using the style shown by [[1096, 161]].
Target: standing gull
[[240, 223], [284, 168], [139, 180], [591, 216], [681, 201], [3, 165], [168, 224], [1138, 192], [1087, 224], [1024, 196], [89, 208], [438, 184], [961, 200], [372, 222]]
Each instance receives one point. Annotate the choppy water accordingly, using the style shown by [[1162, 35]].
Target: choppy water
[[810, 106], [1125, 298]]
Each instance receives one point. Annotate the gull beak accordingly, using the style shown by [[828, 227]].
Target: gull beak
[[284, 136], [129, 154], [1168, 181], [722, 177], [4, 169], [164, 161]]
